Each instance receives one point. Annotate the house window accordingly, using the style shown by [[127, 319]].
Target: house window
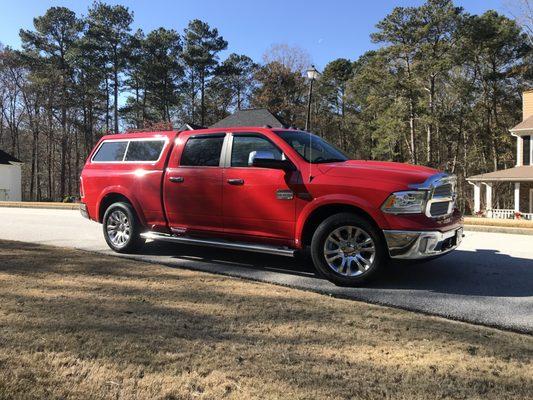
[[527, 150]]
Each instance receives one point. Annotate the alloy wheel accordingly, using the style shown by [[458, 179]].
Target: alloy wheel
[[118, 228], [349, 251]]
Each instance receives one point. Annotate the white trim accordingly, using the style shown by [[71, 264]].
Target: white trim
[[531, 200], [520, 130], [519, 151], [157, 139]]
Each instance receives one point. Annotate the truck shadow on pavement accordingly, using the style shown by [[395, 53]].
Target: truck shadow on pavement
[[482, 272]]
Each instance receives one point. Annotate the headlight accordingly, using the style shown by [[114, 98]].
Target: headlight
[[410, 202]]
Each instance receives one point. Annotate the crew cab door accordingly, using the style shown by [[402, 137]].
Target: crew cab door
[[192, 189], [257, 201]]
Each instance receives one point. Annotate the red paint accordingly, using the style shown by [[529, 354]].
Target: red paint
[[205, 203]]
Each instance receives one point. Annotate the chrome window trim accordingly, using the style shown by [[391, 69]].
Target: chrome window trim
[[156, 139]]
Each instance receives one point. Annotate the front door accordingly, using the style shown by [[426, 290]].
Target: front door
[[193, 184], [257, 201]]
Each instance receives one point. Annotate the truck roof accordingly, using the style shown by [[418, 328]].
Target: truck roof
[[172, 134], [140, 135]]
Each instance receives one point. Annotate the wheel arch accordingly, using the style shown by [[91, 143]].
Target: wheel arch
[[311, 218], [115, 195]]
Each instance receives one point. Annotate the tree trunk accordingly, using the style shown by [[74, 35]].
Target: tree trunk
[[429, 128], [115, 94], [412, 133], [107, 117], [192, 94], [202, 100]]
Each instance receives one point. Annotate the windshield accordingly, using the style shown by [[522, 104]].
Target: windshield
[[312, 148]]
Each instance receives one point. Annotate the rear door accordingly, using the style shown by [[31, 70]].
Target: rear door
[[193, 184], [257, 201]]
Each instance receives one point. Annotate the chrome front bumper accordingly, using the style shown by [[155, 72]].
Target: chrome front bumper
[[421, 244]]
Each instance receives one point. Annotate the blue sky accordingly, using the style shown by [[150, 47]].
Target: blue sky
[[325, 29]]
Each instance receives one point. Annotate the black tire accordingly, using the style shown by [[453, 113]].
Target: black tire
[[134, 242], [377, 260]]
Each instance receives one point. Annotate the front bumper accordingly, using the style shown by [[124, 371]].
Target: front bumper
[[421, 244]]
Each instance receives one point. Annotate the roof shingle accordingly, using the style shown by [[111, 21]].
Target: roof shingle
[[251, 117], [516, 174], [525, 125], [7, 159]]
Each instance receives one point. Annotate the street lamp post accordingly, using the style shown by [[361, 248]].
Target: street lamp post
[[312, 74]]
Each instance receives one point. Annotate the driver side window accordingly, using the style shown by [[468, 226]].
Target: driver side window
[[245, 148]]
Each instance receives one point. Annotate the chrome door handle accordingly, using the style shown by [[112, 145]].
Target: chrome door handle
[[176, 179], [236, 181]]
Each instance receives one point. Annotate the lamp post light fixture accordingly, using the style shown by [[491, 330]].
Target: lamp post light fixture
[[312, 74]]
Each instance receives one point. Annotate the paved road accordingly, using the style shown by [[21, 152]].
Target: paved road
[[488, 281]]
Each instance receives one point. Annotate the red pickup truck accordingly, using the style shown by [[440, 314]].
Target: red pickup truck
[[277, 191]]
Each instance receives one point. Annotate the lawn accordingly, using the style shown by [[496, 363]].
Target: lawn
[[77, 325]]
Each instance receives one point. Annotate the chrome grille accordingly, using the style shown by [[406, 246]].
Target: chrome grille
[[441, 195], [439, 209], [445, 190]]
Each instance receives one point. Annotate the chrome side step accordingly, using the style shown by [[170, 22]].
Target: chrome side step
[[223, 244]]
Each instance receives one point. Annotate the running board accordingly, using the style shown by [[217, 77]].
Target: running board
[[223, 244]]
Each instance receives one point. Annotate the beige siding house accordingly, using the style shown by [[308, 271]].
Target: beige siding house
[[521, 175]]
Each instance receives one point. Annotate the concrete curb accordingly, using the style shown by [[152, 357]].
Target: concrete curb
[[498, 229], [49, 205]]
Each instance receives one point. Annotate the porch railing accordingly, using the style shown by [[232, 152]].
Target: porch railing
[[508, 214]]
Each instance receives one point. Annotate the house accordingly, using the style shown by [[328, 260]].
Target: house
[[10, 178], [521, 175], [250, 117]]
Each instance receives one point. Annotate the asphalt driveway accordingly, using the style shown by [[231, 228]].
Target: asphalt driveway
[[489, 280]]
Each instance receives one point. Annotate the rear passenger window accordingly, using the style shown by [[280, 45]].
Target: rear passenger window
[[144, 150], [110, 151], [202, 151]]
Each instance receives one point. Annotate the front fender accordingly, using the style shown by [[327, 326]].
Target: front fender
[[338, 199], [126, 193]]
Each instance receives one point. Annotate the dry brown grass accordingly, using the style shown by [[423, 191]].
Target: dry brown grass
[[80, 325]]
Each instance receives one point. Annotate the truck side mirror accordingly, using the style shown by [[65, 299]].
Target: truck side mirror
[[259, 154], [266, 159], [272, 163]]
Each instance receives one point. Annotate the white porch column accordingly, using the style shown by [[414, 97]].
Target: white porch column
[[477, 197], [488, 195], [517, 196]]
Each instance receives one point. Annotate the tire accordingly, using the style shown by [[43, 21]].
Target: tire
[[355, 250], [122, 229]]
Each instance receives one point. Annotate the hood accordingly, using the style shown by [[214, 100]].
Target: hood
[[398, 173]]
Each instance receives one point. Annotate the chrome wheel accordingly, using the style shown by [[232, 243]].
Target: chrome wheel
[[349, 251], [118, 228]]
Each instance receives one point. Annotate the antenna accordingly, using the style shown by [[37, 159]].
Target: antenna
[[310, 157]]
